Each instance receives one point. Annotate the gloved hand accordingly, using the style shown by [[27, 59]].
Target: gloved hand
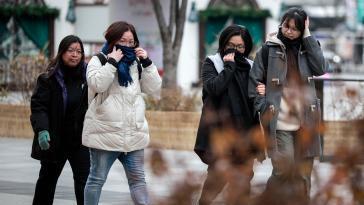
[[43, 139]]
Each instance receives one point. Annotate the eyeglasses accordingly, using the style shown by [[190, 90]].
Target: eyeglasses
[[71, 50], [128, 44], [233, 46], [286, 27]]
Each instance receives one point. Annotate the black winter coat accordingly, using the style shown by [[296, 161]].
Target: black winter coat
[[48, 107], [225, 104]]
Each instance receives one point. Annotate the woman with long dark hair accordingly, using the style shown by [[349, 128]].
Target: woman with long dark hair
[[58, 106], [226, 118], [286, 64], [115, 123]]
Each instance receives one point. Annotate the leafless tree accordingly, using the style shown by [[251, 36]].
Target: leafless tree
[[171, 34]]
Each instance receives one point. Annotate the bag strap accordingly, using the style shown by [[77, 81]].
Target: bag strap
[[265, 54], [101, 58], [103, 61], [140, 68]]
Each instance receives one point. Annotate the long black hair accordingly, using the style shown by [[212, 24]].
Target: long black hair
[[235, 30], [298, 15], [62, 48]]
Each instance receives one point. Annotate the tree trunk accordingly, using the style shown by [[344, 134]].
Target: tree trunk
[[170, 69], [171, 35]]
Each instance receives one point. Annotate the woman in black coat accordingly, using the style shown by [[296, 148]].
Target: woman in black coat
[[227, 114], [58, 106]]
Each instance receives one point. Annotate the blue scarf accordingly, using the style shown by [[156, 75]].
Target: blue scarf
[[124, 64]]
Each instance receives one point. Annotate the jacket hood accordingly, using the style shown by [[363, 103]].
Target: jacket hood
[[272, 38]]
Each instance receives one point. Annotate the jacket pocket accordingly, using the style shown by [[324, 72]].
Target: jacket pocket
[[109, 110], [313, 115], [317, 111], [139, 112], [276, 72]]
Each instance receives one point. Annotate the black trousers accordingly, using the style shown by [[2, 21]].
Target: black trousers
[[50, 172]]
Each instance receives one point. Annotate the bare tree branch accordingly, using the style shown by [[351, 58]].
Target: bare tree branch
[[211, 3], [180, 23], [161, 20], [172, 15], [254, 4], [171, 37]]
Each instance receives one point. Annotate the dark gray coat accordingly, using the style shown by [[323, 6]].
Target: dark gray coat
[[311, 63]]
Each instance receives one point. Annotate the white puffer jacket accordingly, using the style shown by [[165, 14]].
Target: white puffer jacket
[[115, 119]]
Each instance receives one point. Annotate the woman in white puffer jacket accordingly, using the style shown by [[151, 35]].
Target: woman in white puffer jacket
[[115, 126]]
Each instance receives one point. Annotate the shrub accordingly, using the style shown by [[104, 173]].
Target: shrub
[[175, 100], [24, 72]]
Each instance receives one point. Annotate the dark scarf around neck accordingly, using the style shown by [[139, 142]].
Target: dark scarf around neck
[[241, 62], [295, 43], [124, 64], [75, 73], [292, 50]]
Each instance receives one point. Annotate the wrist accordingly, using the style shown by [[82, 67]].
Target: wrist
[[306, 33], [229, 64], [145, 62], [42, 132]]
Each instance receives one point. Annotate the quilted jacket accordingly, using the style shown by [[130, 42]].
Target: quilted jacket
[[115, 120]]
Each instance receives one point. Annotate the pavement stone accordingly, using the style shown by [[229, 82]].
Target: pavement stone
[[19, 173]]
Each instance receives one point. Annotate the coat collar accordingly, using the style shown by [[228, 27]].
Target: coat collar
[[273, 39]]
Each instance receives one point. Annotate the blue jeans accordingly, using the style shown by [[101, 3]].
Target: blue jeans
[[101, 162]]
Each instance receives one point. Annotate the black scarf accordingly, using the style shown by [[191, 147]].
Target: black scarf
[[241, 106], [241, 62], [295, 43], [292, 50], [236, 98], [71, 73]]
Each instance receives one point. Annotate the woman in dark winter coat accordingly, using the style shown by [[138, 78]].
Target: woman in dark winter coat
[[58, 106], [227, 113], [292, 58]]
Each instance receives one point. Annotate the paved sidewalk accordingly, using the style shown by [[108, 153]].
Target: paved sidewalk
[[18, 175]]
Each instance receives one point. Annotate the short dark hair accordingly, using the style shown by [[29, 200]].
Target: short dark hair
[[62, 48], [298, 15], [235, 30], [116, 30]]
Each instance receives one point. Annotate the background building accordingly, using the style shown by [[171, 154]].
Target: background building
[[336, 23]]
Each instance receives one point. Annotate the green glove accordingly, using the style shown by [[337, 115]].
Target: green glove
[[43, 139]]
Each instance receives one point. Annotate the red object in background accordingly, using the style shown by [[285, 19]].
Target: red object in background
[[160, 71]]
